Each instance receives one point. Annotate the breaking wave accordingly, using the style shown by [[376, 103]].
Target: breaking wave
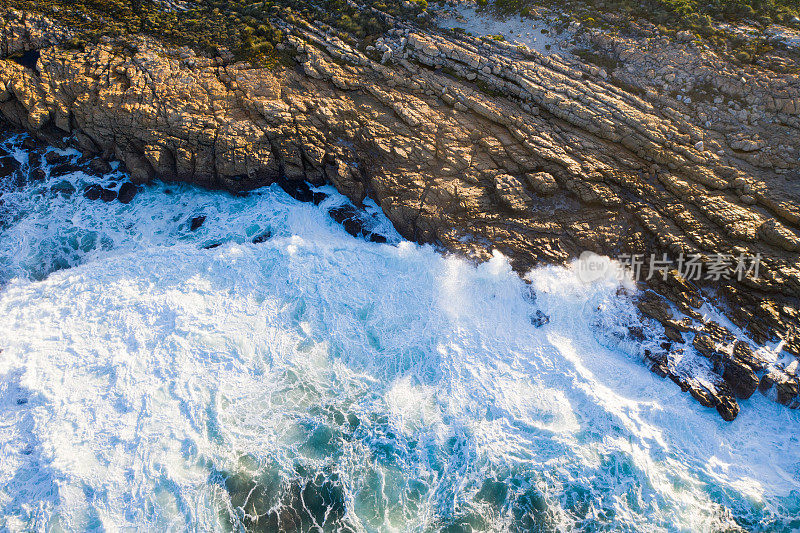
[[157, 377]]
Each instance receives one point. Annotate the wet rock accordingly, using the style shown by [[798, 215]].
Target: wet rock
[[108, 195], [732, 359], [62, 169], [54, 158], [782, 385], [196, 222], [300, 190], [262, 237], [29, 144], [709, 394], [64, 188], [126, 193], [728, 408], [37, 174], [655, 307], [97, 192], [741, 378], [98, 167], [539, 319], [350, 219], [376, 237], [8, 165], [93, 192], [660, 365]]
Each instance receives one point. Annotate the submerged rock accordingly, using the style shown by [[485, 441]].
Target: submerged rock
[[126, 193], [539, 319], [196, 222], [93, 191], [266, 502]]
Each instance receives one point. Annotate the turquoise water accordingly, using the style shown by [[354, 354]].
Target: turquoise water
[[158, 378]]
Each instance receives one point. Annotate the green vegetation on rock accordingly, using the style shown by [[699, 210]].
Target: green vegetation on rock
[[247, 29]]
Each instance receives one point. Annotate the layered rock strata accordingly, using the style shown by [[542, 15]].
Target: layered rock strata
[[479, 145]]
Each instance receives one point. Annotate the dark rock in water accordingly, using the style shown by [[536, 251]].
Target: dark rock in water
[[717, 394], [197, 222], [22, 401], [742, 352], [27, 59], [263, 237], [782, 385], [93, 192], [706, 346], [108, 195], [29, 144], [126, 192], [636, 333], [96, 192], [63, 169], [63, 187], [733, 359], [265, 503], [376, 237], [34, 159], [301, 191], [493, 492], [99, 167], [727, 407], [54, 158], [37, 174], [740, 377], [539, 319], [7, 166], [349, 218], [660, 367], [212, 246], [704, 396]]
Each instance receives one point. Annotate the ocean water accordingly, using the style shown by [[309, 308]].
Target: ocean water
[[157, 378]]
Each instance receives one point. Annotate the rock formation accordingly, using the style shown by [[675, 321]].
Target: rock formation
[[476, 145]]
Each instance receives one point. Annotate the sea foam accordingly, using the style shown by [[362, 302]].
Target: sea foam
[[149, 382]]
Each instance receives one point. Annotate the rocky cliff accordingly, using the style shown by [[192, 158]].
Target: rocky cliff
[[476, 145]]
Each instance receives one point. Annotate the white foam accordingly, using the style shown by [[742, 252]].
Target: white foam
[[151, 365]]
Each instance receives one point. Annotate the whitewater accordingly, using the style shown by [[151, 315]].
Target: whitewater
[[159, 378]]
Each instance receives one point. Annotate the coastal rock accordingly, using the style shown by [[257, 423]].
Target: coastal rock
[[470, 145]]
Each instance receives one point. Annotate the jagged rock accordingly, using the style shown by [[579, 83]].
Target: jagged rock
[[732, 359], [458, 141], [740, 377], [783, 386], [126, 192], [542, 183], [539, 319], [196, 222]]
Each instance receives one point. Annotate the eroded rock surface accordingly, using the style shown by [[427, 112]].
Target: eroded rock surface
[[477, 145]]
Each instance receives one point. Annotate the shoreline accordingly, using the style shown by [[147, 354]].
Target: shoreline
[[474, 145]]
